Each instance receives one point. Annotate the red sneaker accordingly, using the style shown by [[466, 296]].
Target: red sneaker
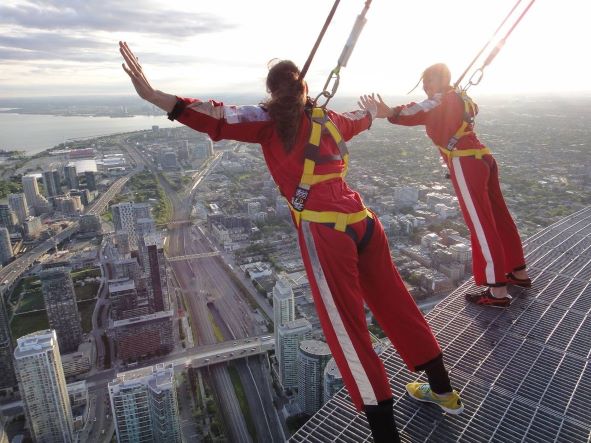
[[486, 298], [523, 282]]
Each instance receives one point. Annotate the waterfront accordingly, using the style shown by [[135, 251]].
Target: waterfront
[[35, 133]]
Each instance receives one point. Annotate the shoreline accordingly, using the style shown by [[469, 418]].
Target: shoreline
[[17, 111]]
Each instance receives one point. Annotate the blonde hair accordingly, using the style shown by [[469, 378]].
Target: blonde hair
[[440, 71]]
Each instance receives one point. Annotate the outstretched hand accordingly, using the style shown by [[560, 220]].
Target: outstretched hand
[[140, 82], [371, 104], [136, 74]]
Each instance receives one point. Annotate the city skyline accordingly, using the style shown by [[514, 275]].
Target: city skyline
[[55, 48]]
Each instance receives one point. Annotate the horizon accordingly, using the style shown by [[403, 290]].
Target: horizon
[[71, 49]]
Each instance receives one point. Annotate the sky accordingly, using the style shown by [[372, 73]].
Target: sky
[[200, 48]]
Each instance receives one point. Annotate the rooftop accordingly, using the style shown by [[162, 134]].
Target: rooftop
[[143, 318], [524, 372]]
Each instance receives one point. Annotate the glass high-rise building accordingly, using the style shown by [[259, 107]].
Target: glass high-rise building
[[6, 252], [283, 305], [71, 177], [42, 386], [18, 203], [33, 196], [8, 218], [313, 356], [333, 380], [7, 376], [52, 183], [144, 405], [61, 307], [289, 337]]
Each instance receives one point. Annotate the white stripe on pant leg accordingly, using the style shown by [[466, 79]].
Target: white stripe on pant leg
[[490, 266], [368, 396]]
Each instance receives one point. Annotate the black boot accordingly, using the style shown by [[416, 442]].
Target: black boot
[[381, 422]]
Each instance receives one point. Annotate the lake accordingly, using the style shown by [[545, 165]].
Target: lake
[[35, 133]]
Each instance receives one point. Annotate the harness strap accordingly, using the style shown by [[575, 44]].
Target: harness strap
[[340, 220], [477, 153], [467, 122], [319, 125], [367, 235]]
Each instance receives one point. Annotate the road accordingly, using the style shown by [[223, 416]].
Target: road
[[13, 271], [213, 291], [208, 289]]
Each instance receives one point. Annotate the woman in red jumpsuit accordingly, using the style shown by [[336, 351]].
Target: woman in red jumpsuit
[[343, 246], [448, 116]]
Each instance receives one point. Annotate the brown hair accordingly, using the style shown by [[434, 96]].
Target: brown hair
[[287, 100]]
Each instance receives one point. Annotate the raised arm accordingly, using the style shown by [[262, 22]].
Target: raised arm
[[412, 114], [141, 84]]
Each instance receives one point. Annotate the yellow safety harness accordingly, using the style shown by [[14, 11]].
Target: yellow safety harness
[[320, 124], [465, 128]]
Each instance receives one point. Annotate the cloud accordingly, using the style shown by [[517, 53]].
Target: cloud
[[53, 46], [109, 16]]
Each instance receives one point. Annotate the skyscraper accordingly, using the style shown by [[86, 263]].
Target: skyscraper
[[42, 387], [133, 218], [62, 310], [313, 356], [332, 382], [144, 406], [33, 196], [52, 183], [3, 434], [290, 335], [283, 305], [71, 177], [18, 203], [90, 180], [7, 376], [157, 272], [8, 218], [6, 252]]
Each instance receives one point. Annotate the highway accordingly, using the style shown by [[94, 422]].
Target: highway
[[13, 271], [187, 276], [210, 293]]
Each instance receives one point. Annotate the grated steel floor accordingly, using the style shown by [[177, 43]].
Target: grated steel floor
[[524, 372]]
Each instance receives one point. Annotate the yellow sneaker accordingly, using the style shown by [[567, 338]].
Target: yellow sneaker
[[449, 403]]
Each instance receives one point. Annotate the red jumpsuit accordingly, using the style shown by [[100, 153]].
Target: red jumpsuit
[[342, 276], [496, 246]]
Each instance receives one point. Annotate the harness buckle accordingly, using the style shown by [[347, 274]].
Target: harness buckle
[[298, 201], [451, 144]]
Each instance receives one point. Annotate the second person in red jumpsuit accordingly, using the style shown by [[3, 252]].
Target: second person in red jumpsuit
[[448, 116], [343, 246]]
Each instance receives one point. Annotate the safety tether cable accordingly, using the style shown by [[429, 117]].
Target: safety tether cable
[[334, 75], [319, 39], [493, 53]]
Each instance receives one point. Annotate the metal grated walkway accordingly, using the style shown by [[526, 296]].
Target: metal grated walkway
[[524, 372]]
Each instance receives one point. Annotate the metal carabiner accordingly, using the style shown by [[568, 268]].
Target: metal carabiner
[[474, 81], [334, 77]]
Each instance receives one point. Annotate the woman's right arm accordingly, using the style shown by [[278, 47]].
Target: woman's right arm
[[412, 114]]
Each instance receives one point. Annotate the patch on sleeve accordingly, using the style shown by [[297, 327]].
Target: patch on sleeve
[[424, 106], [244, 114], [208, 108], [359, 114]]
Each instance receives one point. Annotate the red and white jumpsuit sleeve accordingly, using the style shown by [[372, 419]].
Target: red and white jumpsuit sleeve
[[496, 245], [345, 269]]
